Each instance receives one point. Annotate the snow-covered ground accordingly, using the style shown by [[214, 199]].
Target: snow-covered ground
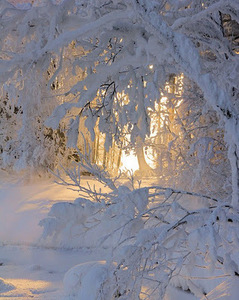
[[31, 271], [26, 270]]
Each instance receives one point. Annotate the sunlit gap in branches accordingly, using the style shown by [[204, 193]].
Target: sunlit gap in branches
[[129, 159]]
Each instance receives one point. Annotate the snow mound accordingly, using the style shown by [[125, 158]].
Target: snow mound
[[5, 287], [89, 281]]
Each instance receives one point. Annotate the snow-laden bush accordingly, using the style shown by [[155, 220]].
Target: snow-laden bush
[[84, 223], [158, 236]]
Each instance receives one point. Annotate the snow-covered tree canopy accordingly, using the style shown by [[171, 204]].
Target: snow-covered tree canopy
[[109, 61], [125, 69]]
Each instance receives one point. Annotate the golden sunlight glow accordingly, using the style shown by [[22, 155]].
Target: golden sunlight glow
[[163, 110], [159, 118], [129, 162], [26, 287], [146, 156], [124, 99]]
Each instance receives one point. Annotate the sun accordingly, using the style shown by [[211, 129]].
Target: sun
[[129, 162]]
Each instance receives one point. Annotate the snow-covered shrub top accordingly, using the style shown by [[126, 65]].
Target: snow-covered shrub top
[[91, 281]]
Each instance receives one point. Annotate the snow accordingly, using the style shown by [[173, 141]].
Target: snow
[[21, 4], [78, 280], [24, 205], [168, 241], [227, 290], [5, 287], [37, 272], [30, 270]]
